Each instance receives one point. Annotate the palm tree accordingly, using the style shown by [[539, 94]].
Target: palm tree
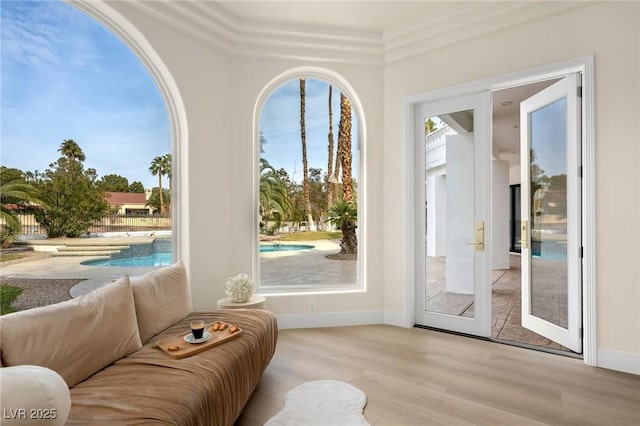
[[336, 173], [15, 192], [154, 199], [330, 178], [71, 150], [167, 170], [344, 215], [156, 168], [274, 196], [305, 166], [338, 164], [344, 139]]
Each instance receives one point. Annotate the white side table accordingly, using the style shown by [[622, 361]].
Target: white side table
[[256, 302]]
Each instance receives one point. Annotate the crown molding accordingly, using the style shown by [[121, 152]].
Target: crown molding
[[477, 20], [209, 23]]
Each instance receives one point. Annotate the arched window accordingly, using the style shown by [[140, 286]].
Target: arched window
[[308, 142], [59, 40]]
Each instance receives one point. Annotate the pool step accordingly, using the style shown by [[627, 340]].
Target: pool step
[[104, 253], [86, 250]]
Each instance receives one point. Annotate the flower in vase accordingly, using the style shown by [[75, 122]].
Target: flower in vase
[[239, 288]]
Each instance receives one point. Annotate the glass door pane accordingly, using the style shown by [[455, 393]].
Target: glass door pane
[[551, 215], [452, 201], [449, 213], [548, 191]]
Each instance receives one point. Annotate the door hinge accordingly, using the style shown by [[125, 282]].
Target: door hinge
[[579, 171], [582, 252], [581, 333], [579, 91]]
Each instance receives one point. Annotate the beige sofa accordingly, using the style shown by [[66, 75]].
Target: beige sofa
[[103, 345]]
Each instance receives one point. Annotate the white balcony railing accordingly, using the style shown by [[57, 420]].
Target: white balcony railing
[[436, 147]]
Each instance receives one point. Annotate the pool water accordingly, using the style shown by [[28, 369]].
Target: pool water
[[155, 259], [269, 248], [166, 258]]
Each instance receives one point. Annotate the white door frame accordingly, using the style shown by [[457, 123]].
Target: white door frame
[[567, 335], [480, 175], [584, 65]]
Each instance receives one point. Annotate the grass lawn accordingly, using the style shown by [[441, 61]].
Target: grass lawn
[[11, 256], [8, 294], [311, 235]]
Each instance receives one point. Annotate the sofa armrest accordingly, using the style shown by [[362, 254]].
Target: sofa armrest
[[31, 394]]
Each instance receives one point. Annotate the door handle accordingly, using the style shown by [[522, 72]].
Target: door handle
[[523, 235], [478, 241]]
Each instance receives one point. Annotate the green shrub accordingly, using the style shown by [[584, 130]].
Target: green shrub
[[8, 236]]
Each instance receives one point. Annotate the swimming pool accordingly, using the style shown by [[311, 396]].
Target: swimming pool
[[155, 259], [134, 257], [158, 253], [269, 248]]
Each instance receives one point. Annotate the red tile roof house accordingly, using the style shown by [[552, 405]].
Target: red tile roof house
[[128, 203]]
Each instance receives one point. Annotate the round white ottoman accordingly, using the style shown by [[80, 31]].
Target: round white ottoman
[[33, 395]]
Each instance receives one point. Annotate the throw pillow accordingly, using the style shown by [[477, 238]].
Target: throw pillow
[[162, 298], [75, 338]]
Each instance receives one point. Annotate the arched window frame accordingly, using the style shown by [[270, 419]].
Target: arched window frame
[[346, 88], [140, 46]]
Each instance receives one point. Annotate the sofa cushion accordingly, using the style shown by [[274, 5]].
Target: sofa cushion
[[162, 298], [210, 388], [74, 338]]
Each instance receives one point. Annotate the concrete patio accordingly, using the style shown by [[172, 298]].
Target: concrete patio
[[506, 304], [278, 269], [307, 268]]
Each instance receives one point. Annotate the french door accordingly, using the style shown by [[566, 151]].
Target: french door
[[453, 181], [551, 213]]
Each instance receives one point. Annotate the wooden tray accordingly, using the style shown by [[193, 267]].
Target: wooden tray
[[187, 349]]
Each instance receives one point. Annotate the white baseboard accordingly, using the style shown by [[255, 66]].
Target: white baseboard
[[620, 361], [340, 319], [398, 319], [329, 319]]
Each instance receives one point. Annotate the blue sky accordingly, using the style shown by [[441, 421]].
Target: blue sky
[[280, 125], [64, 76], [549, 137]]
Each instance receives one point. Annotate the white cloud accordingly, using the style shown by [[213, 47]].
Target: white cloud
[[64, 76]]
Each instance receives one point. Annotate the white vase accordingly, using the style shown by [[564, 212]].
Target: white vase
[[239, 288]]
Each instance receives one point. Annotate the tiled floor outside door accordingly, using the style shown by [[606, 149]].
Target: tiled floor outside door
[[506, 302], [506, 309]]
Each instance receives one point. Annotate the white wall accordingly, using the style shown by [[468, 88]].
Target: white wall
[[500, 215], [219, 89], [514, 175], [600, 29], [202, 73], [436, 215], [460, 226], [220, 86]]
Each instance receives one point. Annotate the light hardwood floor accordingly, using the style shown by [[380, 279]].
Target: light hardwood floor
[[424, 377]]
